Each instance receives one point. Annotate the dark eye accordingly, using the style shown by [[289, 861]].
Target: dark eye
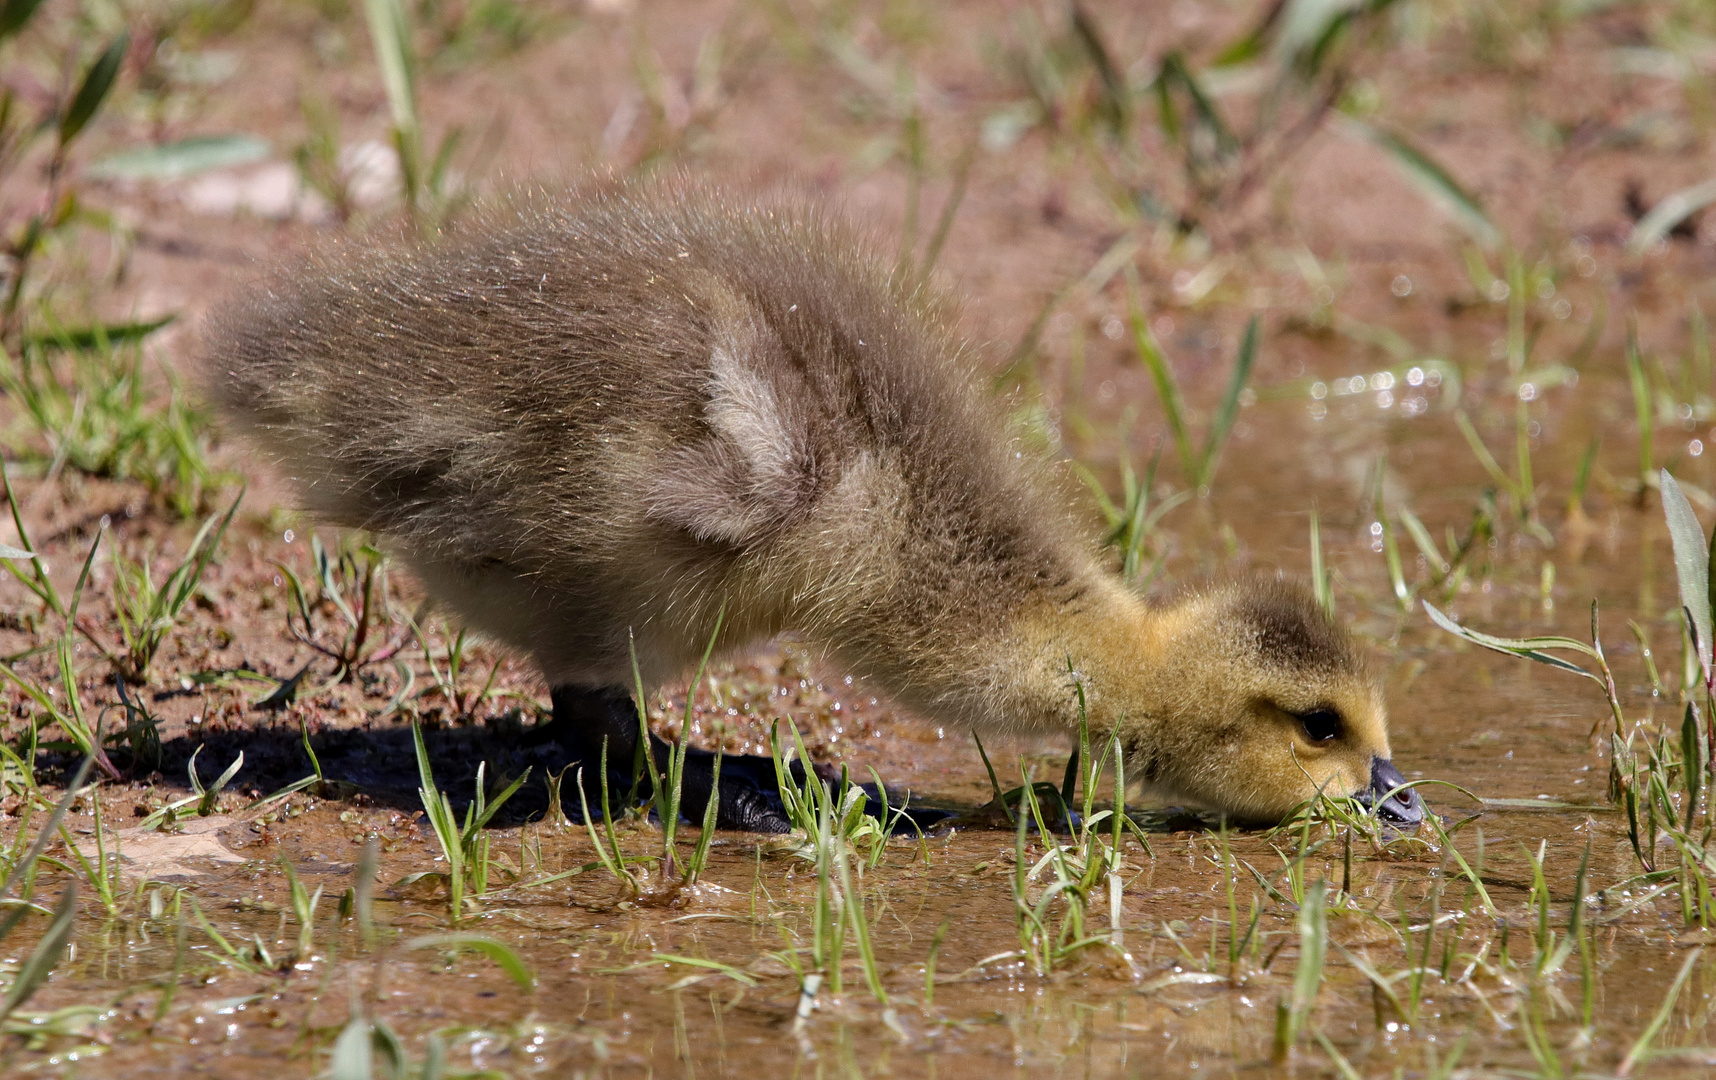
[[1321, 725]]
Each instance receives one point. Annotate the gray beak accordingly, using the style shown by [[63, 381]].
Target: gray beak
[[1404, 807]]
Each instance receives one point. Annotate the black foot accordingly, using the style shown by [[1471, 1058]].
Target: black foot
[[750, 797]]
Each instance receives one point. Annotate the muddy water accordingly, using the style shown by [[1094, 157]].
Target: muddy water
[[605, 1003]]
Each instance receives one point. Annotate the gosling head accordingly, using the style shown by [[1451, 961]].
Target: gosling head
[[1262, 700]]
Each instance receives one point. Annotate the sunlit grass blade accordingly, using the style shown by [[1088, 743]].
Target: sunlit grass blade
[[1320, 585], [1222, 424], [1641, 1048], [738, 975], [35, 968], [1167, 390], [37, 581], [502, 955], [1671, 211], [1531, 648], [1313, 937], [1431, 180], [1642, 408], [1692, 557], [1390, 549], [1486, 459], [706, 837], [1425, 543]]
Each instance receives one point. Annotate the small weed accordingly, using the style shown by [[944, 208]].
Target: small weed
[[1294, 1011], [1198, 466], [354, 583], [464, 845], [147, 613]]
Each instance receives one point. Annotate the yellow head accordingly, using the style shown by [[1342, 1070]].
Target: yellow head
[[1255, 700]]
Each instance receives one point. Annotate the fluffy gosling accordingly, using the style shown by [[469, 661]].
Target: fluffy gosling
[[604, 420]]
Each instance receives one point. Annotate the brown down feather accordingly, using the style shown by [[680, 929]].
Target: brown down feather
[[611, 415]]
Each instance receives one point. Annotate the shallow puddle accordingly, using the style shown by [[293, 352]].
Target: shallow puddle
[[705, 984]]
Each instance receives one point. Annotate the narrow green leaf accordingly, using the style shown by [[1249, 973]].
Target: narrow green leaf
[[45, 955], [186, 157], [1668, 213], [503, 956], [1320, 586], [353, 1057], [390, 32], [728, 970], [1691, 562], [1114, 104], [206, 805], [1167, 391], [1229, 409], [14, 14], [97, 81], [1641, 1050], [1642, 406], [1432, 181], [1530, 648], [1482, 452], [1313, 927], [1425, 542], [1174, 70], [1342, 1065]]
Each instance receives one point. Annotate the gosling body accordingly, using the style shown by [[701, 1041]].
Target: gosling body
[[609, 421]]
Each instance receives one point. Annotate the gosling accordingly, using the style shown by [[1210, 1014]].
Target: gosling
[[603, 423]]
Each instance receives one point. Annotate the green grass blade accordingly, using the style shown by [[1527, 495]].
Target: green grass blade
[[390, 34], [1530, 648], [1431, 180], [1422, 539], [1167, 391], [14, 14], [1485, 458], [1646, 416], [736, 974], [1692, 554], [994, 782], [1668, 213], [1342, 1065], [1320, 586], [353, 1054], [97, 81], [45, 955], [1312, 925], [1222, 424], [206, 804], [502, 955], [1641, 1049]]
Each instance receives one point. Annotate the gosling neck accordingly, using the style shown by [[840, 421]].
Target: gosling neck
[[1099, 637]]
